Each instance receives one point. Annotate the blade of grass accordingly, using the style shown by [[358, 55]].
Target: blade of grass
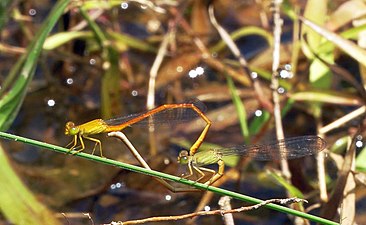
[[110, 93], [240, 109], [17, 203], [161, 175], [23, 71], [4, 12]]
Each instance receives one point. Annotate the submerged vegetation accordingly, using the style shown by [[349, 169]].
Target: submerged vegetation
[[265, 70]]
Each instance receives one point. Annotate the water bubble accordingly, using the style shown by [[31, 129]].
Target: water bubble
[[284, 74], [200, 70], [69, 81], [166, 161], [153, 25], [192, 74], [134, 93], [92, 61], [32, 12], [116, 185], [168, 197], [179, 69], [359, 144], [207, 208], [281, 90], [254, 75], [124, 5], [288, 67], [258, 113], [51, 102]]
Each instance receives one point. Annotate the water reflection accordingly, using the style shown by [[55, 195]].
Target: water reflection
[[124, 5], [32, 12], [51, 102], [258, 113], [69, 81]]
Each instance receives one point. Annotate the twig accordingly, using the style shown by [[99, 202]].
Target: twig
[[151, 90], [224, 204], [278, 22], [209, 213], [141, 160], [206, 55], [243, 63], [343, 120]]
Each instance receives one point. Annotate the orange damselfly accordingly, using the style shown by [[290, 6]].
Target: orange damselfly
[[166, 114], [288, 148]]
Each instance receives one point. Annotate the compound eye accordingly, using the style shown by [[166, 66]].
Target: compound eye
[[183, 157], [71, 129]]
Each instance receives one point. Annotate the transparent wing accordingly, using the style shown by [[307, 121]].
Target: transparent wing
[[288, 148], [172, 114]]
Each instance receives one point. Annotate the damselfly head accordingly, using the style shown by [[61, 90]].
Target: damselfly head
[[71, 129], [183, 157]]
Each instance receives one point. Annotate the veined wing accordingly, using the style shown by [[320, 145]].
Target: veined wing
[[288, 148]]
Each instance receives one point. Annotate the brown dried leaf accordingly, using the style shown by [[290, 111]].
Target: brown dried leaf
[[199, 20], [176, 68]]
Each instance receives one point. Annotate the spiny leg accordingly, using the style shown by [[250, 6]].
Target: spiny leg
[[82, 145], [75, 141], [219, 173], [199, 170], [190, 171], [97, 142]]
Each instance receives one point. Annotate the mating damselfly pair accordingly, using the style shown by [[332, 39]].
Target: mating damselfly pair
[[288, 148]]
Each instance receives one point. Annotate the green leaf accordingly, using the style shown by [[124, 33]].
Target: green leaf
[[242, 32], [347, 46], [361, 161], [124, 39], [289, 187], [61, 38], [258, 122], [17, 203], [240, 109], [4, 12], [15, 85]]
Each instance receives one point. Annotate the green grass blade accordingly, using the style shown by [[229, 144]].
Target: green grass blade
[[4, 12], [361, 161], [11, 100], [18, 204], [161, 175], [240, 109], [111, 96]]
